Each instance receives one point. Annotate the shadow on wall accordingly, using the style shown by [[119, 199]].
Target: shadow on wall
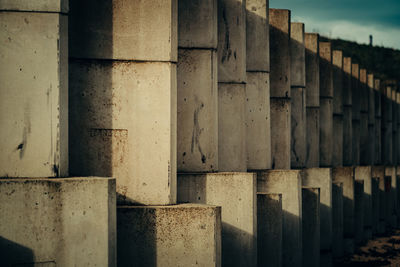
[[13, 254]]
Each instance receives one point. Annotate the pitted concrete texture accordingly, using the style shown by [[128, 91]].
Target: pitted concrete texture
[[232, 41], [326, 132], [297, 55], [280, 133], [279, 26], [347, 136], [258, 121], [197, 122], [197, 24], [311, 41], [311, 226], [257, 35], [269, 229], [355, 91], [134, 30], [38, 5], [173, 236], [325, 69], [64, 222], [364, 173], [298, 136], [337, 142], [337, 220], [312, 136], [287, 183], [34, 86], [123, 124], [378, 172], [337, 74], [322, 178], [236, 194], [347, 71], [232, 154], [359, 212]]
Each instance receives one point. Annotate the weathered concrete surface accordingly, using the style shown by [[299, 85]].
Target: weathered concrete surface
[[258, 121], [297, 55], [66, 222], [387, 124], [232, 41], [355, 112], [311, 226], [269, 229], [232, 154], [337, 143], [279, 23], [359, 212], [378, 172], [34, 86], [378, 122], [123, 124], [392, 204], [365, 156], [375, 205], [345, 175], [326, 132], [312, 136], [364, 173], [257, 35], [371, 119], [325, 70], [287, 183], [280, 133], [322, 178], [38, 5], [134, 30], [177, 235], [311, 41], [337, 220], [197, 23], [347, 113], [197, 122], [298, 137], [398, 194], [236, 194], [337, 74]]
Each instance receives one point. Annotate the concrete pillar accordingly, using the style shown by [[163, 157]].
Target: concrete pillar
[[398, 127], [337, 72], [387, 125], [364, 94], [287, 183], [378, 121], [64, 221], [395, 144], [34, 88], [311, 226], [269, 229], [390, 173], [345, 175], [322, 178], [258, 119], [298, 96], [122, 91], [371, 120], [347, 113], [279, 23], [356, 105], [311, 41], [364, 173], [177, 235], [375, 205], [197, 95], [236, 194], [388, 203], [378, 172], [337, 220], [326, 104], [232, 85], [359, 212]]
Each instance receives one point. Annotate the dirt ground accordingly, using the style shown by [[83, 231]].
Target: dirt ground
[[380, 251]]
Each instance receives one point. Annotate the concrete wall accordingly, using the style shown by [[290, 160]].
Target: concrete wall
[[378, 121], [337, 74], [337, 220], [371, 120], [347, 113], [359, 212], [356, 98], [364, 173], [364, 142], [63, 222], [311, 226], [378, 172]]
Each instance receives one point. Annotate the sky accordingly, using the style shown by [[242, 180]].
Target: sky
[[352, 20]]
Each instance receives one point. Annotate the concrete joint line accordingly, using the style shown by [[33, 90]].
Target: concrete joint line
[[120, 60], [35, 11]]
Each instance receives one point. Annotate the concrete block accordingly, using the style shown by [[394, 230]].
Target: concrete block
[[326, 132], [232, 41], [280, 133], [378, 172], [197, 24], [355, 91], [337, 76], [123, 124], [197, 110], [287, 183], [232, 154], [60, 6], [363, 91], [325, 69], [347, 136], [66, 222], [258, 121], [337, 147], [177, 235], [297, 55], [279, 26], [312, 136], [364, 173], [311, 41], [33, 94], [356, 141], [347, 91], [257, 35], [345, 175], [337, 220], [322, 178], [311, 226], [298, 136], [371, 99], [359, 212], [375, 205], [269, 229], [236, 194], [134, 30], [392, 205]]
